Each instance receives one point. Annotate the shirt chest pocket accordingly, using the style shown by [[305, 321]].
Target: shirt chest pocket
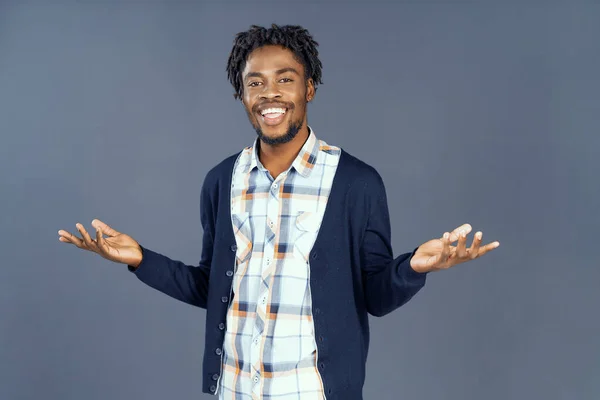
[[306, 229], [242, 230]]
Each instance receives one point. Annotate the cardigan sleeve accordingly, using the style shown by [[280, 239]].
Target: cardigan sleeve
[[183, 282], [388, 282]]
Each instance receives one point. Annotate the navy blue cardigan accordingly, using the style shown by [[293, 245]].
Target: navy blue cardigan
[[353, 273]]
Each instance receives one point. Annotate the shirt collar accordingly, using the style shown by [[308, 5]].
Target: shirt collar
[[304, 161]]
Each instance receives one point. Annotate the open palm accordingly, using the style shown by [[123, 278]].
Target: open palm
[[117, 246], [438, 254]]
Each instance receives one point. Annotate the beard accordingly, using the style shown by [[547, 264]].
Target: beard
[[288, 136]]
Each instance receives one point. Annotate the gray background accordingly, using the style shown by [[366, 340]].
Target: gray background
[[472, 112]]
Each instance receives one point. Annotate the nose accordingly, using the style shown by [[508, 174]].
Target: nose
[[270, 91]]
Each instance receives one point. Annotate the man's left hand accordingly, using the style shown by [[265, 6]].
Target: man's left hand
[[438, 254]]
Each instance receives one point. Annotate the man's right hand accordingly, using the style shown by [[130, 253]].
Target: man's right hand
[[117, 246]]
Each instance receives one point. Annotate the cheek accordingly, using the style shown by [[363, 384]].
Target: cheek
[[300, 106], [247, 107]]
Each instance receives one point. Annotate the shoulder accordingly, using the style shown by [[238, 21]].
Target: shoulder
[[358, 171], [221, 172], [361, 187]]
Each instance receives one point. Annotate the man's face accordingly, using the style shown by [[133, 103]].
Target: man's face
[[275, 93]]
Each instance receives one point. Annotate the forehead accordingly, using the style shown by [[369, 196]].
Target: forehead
[[270, 58]]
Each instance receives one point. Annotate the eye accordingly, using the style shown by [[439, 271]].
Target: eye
[[253, 84], [285, 80]]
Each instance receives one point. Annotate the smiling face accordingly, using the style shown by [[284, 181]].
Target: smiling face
[[275, 94]]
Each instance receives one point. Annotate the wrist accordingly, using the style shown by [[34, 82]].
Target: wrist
[[138, 261], [413, 266]]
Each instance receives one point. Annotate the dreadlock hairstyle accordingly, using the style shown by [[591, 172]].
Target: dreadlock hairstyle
[[292, 37]]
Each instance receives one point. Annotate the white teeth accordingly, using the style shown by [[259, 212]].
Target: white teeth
[[273, 111]]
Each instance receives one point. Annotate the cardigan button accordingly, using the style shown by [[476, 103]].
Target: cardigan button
[[221, 326], [314, 255], [229, 273], [233, 247], [215, 377], [218, 352], [213, 388], [224, 299]]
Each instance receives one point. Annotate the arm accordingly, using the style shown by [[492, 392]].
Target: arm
[[388, 282]]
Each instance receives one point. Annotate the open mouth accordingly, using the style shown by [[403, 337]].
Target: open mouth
[[273, 116]]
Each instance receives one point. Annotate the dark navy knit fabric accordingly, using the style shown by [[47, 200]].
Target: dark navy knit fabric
[[353, 273]]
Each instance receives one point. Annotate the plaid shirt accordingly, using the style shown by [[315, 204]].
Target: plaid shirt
[[269, 350]]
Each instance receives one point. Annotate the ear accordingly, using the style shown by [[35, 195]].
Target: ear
[[310, 90]]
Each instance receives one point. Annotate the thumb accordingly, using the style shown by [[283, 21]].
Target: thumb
[[107, 230]]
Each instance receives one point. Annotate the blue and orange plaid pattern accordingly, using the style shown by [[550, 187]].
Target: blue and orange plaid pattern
[[269, 351]]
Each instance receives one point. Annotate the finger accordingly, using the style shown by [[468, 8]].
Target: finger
[[64, 239], [70, 238], [474, 250], [488, 247], [89, 243], [461, 248], [445, 248], [107, 230], [455, 234], [102, 247]]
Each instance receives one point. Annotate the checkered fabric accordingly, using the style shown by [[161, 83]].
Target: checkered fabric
[[269, 350]]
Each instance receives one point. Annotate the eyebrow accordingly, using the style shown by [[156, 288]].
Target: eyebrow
[[278, 72]]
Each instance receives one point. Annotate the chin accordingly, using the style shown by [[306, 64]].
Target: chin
[[273, 133], [279, 134]]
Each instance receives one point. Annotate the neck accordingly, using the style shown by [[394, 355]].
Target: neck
[[278, 158]]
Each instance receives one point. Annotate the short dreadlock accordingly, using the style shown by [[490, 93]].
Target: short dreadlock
[[293, 37]]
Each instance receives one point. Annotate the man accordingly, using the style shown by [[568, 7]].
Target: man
[[296, 246]]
